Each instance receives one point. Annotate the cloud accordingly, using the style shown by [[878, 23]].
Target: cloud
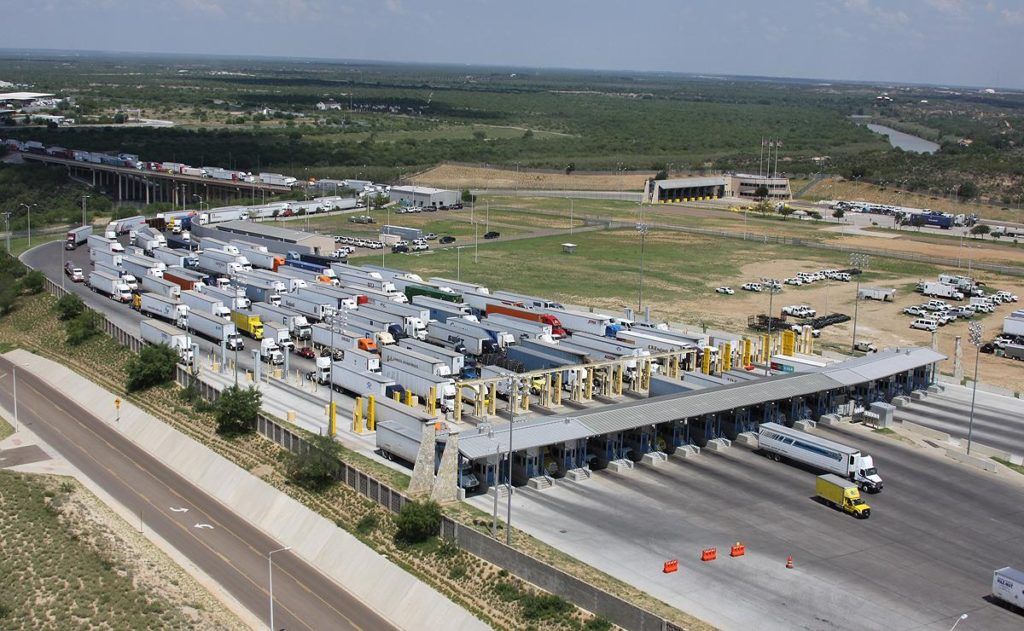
[[948, 7], [1014, 17], [207, 7], [395, 7]]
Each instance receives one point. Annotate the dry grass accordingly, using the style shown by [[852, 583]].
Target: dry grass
[[459, 177]]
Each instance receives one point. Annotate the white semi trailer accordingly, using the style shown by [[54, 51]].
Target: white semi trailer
[[216, 329], [779, 441], [156, 332]]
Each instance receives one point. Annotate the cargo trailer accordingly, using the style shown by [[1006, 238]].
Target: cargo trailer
[[157, 306], [455, 362], [321, 337], [779, 441], [161, 287], [110, 285], [156, 333], [396, 354], [297, 324], [441, 310], [457, 339], [1007, 585], [423, 384], [207, 304], [76, 237], [398, 440], [215, 329]]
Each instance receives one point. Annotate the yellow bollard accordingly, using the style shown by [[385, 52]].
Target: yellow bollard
[[457, 412], [396, 395], [371, 413], [705, 361], [788, 343], [408, 398], [727, 357], [432, 401], [332, 420], [357, 416], [492, 399], [765, 349], [747, 349]]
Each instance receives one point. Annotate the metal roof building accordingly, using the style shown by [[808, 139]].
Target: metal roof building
[[423, 196], [278, 240]]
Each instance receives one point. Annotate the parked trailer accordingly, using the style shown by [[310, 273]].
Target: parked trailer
[[176, 258], [1014, 351], [216, 329], [396, 354], [370, 328], [521, 329], [396, 325], [207, 304], [110, 285], [100, 242], [263, 260], [97, 256], [308, 277], [187, 280], [397, 440], [155, 332], [158, 306], [585, 322], [352, 278], [1013, 324], [161, 287], [652, 342], [457, 339], [233, 297], [529, 315], [140, 266], [361, 383], [441, 310], [321, 337], [270, 281], [76, 237], [412, 290], [458, 285], [316, 307], [478, 302], [455, 362], [422, 384], [413, 313], [1007, 585], [779, 441], [297, 324], [529, 301], [942, 290], [336, 298]]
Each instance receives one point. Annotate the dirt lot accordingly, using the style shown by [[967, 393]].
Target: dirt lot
[[976, 250], [459, 177], [838, 188], [881, 323]]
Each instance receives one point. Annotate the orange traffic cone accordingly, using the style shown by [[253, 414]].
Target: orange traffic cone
[[789, 562]]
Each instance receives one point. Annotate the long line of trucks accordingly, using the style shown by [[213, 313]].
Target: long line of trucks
[[207, 304], [297, 324], [215, 329], [157, 306], [156, 333]]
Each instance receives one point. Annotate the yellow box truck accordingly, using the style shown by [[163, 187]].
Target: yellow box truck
[[842, 494], [248, 322]]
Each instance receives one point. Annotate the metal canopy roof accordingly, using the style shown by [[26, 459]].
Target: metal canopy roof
[[525, 434], [690, 182], [258, 229]]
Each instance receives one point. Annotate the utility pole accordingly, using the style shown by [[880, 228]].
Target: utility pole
[[29, 207], [14, 387], [861, 262], [85, 205], [7, 221], [642, 229], [514, 401], [974, 331], [497, 470], [572, 204], [270, 576]]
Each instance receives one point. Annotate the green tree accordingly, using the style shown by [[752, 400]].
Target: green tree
[[236, 410], [981, 229], [33, 282], [467, 196], [418, 521], [838, 213], [82, 327], [314, 468], [967, 190], [661, 175], [786, 211], [8, 296], [153, 366], [761, 192], [479, 135], [69, 306]]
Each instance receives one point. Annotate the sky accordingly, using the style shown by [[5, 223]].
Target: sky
[[945, 42]]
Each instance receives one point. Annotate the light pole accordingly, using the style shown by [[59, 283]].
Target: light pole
[[14, 388], [572, 204], [962, 617], [458, 263], [642, 229], [29, 208], [84, 207], [497, 470], [861, 262], [974, 331], [270, 577], [200, 198], [771, 307], [7, 229], [514, 401]]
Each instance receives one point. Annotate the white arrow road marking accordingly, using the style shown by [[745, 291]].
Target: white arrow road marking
[[179, 510], [203, 526]]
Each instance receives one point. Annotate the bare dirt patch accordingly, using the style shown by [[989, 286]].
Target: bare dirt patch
[[459, 177]]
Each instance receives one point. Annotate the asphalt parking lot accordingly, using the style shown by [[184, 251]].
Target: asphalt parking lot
[[925, 556]]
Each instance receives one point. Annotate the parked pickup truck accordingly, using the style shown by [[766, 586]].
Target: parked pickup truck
[[842, 494]]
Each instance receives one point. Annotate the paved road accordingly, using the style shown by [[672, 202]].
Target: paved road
[[998, 421], [224, 546], [925, 556]]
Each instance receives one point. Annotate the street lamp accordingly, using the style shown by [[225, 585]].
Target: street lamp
[[200, 198], [641, 227], [7, 229], [29, 208], [458, 263], [270, 576], [861, 262], [962, 617], [974, 331], [514, 401]]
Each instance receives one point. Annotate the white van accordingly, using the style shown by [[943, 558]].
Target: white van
[[925, 324]]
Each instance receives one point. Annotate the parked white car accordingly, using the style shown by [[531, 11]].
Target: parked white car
[[924, 324], [751, 287], [725, 290]]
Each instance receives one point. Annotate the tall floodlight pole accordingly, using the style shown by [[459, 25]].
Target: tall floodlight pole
[[29, 207], [771, 307], [974, 332], [642, 229], [861, 262], [458, 263], [514, 400], [85, 205], [7, 229], [270, 579]]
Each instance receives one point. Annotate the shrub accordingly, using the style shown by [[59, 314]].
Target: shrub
[[597, 624], [367, 524], [507, 591], [236, 410], [314, 468], [82, 327], [543, 606], [418, 521], [33, 282], [457, 572], [69, 306], [153, 366]]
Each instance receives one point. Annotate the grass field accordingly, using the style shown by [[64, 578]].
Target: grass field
[[460, 177], [59, 570]]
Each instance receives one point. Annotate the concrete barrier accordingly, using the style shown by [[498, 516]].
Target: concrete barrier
[[974, 461], [718, 444], [395, 594], [926, 431], [804, 425], [747, 439]]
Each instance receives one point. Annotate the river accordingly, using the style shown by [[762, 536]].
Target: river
[[904, 141]]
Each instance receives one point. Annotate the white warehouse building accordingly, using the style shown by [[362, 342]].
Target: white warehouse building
[[424, 196]]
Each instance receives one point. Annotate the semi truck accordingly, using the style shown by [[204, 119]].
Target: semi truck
[[232, 297], [372, 320], [371, 328], [97, 256], [360, 382], [176, 258], [139, 266], [521, 329], [308, 277], [161, 307], [221, 266], [842, 494], [441, 310], [216, 329], [398, 440], [528, 301], [458, 285], [941, 290], [779, 442], [128, 279], [529, 315], [450, 336], [422, 384], [248, 323], [411, 290], [455, 362], [209, 243], [110, 285], [279, 333], [1007, 582], [316, 307], [148, 238], [353, 276], [583, 322], [270, 352], [496, 332], [207, 304], [297, 324], [342, 339], [161, 287], [187, 280], [415, 312], [155, 332], [76, 237], [100, 242], [335, 297], [260, 259], [414, 360]]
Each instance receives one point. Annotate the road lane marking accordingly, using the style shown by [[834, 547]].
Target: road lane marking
[[298, 582], [178, 510], [203, 526]]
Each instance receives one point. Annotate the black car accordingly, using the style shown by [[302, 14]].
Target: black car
[[988, 347], [492, 235], [446, 240], [396, 249]]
